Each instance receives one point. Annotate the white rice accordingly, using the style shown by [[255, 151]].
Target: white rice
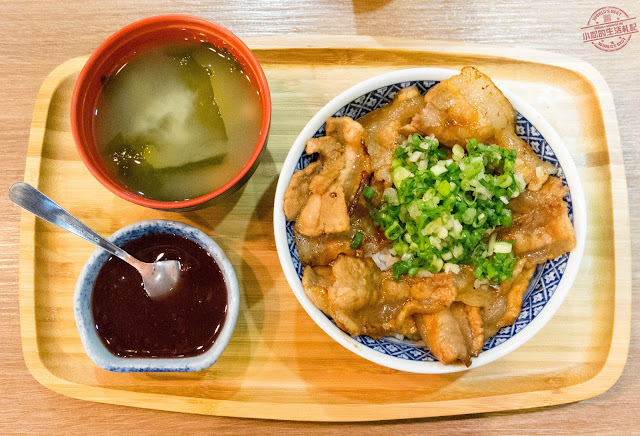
[[384, 259]]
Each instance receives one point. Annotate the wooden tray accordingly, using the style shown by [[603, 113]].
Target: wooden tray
[[279, 364]]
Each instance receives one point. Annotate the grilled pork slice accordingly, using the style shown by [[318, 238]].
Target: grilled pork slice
[[469, 105], [453, 334], [320, 198], [324, 249], [541, 226], [383, 132], [364, 301]]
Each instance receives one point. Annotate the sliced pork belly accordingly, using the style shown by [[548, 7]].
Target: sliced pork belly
[[442, 334], [453, 334], [297, 192], [320, 198], [324, 249], [383, 131], [469, 105], [541, 226], [470, 322], [363, 300]]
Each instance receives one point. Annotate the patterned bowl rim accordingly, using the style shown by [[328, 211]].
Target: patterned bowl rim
[[550, 308]]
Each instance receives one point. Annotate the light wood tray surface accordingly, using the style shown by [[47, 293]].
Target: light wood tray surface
[[279, 364]]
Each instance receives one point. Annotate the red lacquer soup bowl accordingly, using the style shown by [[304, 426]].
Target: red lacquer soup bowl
[[116, 52]]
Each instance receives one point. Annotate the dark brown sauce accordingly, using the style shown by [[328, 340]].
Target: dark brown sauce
[[185, 323]]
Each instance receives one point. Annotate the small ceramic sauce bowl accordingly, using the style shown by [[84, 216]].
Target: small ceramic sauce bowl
[[126, 44], [94, 346]]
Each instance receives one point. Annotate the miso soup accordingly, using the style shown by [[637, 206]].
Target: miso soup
[[178, 121]]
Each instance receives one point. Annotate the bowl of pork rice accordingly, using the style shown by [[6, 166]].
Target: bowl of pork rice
[[418, 136]]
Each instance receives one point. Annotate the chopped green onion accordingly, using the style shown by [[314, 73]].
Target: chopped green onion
[[368, 192], [442, 205], [394, 231], [468, 215], [458, 152], [438, 169], [357, 240], [399, 174], [502, 247], [444, 188], [400, 268]]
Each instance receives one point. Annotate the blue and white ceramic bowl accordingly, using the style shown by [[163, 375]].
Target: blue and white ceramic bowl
[[84, 319], [547, 289]]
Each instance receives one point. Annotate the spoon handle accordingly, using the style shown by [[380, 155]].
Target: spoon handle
[[34, 201]]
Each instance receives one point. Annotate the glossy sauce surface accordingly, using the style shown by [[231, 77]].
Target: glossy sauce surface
[[184, 323]]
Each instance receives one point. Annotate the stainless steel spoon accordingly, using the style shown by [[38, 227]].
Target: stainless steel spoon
[[158, 278]]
